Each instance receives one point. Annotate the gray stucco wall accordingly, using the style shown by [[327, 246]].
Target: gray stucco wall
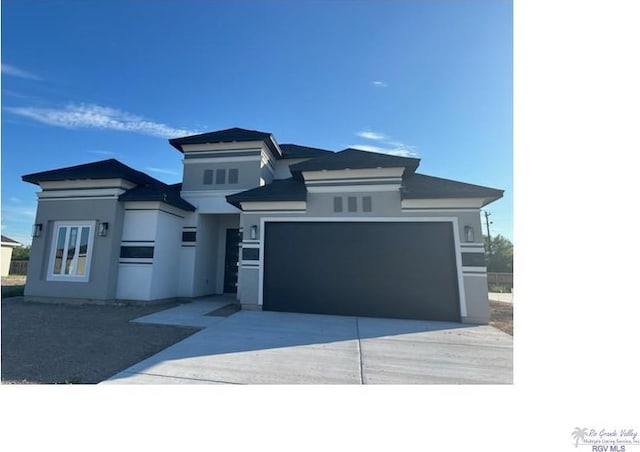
[[248, 175], [207, 248], [476, 292], [384, 204], [248, 285], [103, 272]]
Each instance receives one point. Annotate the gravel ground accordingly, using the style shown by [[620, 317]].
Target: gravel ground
[[55, 343], [502, 316]]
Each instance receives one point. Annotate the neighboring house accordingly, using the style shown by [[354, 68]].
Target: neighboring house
[[7, 249], [284, 227]]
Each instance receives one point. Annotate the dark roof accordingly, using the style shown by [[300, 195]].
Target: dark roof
[[292, 151], [227, 136], [148, 188], [279, 190], [104, 169], [355, 159], [8, 240], [158, 191], [420, 186]]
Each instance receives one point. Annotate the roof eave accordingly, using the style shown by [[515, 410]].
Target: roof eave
[[490, 199]]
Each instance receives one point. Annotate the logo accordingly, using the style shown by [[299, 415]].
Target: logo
[[606, 440]]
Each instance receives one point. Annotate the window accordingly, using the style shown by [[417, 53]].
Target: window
[[189, 236], [208, 177], [337, 204], [220, 176], [352, 204], [366, 204], [233, 176], [71, 251], [136, 252]]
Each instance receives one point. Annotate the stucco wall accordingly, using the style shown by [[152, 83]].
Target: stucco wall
[[135, 278], [164, 282], [477, 295], [206, 251], [7, 251], [104, 257], [187, 258], [248, 175], [281, 167], [385, 204]]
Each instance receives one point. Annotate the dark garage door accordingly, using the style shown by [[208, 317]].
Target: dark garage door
[[374, 269]]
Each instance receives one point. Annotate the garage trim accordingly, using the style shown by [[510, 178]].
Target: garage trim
[[452, 220]]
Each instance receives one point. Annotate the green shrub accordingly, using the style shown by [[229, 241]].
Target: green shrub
[[12, 291], [498, 288]]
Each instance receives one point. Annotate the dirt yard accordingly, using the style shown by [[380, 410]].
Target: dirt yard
[[55, 343], [502, 316]]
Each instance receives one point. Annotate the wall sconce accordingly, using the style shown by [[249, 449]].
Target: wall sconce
[[469, 236], [37, 230], [254, 232], [102, 229]]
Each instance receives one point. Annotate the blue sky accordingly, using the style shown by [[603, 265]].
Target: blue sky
[[85, 81]]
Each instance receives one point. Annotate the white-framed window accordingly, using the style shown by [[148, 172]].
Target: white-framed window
[[71, 250]]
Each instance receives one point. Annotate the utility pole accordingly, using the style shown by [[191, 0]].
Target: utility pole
[[487, 222]]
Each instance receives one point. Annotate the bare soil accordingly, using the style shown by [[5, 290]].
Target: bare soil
[[502, 316], [58, 343]]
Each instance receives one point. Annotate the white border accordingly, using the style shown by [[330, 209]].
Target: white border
[[452, 220], [54, 240]]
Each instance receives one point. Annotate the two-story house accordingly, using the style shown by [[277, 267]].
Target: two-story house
[[283, 227]]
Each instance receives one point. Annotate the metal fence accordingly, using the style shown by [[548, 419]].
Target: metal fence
[[500, 279], [18, 268]]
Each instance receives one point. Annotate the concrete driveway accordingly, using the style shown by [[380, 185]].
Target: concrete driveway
[[287, 348]]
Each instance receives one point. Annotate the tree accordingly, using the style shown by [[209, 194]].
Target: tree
[[500, 257], [578, 434], [21, 253]]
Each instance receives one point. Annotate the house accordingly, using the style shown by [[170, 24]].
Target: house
[[283, 227], [7, 249]]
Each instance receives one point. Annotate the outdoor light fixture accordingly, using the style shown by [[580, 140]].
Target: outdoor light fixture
[[254, 232], [468, 234], [102, 229], [37, 230]]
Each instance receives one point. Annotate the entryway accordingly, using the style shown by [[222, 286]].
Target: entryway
[[231, 253]]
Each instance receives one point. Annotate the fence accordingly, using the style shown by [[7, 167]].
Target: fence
[[18, 268], [500, 279]]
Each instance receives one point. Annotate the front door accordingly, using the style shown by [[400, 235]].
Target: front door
[[231, 254]]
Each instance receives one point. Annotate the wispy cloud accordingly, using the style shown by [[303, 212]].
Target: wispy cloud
[[400, 151], [369, 135], [379, 84], [16, 94], [169, 172], [17, 72], [15, 200], [384, 144], [92, 116], [18, 214]]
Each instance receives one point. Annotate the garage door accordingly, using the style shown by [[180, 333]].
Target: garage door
[[374, 269]]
